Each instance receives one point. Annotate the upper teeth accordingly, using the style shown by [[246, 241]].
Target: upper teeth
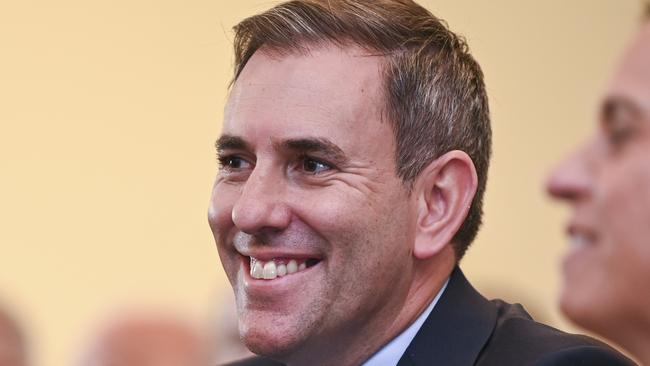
[[579, 240], [271, 269]]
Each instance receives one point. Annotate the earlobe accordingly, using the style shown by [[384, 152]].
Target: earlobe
[[445, 189]]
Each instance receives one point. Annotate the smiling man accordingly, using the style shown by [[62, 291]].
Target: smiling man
[[607, 183], [353, 161]]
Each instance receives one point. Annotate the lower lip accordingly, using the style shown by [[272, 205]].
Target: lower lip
[[575, 255]]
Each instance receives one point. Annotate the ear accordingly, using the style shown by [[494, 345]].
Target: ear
[[445, 190]]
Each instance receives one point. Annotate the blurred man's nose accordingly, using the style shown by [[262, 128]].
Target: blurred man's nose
[[570, 180], [262, 204]]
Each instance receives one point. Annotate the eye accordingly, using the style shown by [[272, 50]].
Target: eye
[[620, 129], [232, 162], [620, 123], [314, 166], [618, 136]]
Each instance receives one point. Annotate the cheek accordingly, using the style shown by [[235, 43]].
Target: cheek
[[625, 211], [625, 223], [220, 209], [220, 220], [341, 212], [368, 259], [364, 232]]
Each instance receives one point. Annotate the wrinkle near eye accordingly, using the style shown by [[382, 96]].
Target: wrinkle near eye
[[363, 179]]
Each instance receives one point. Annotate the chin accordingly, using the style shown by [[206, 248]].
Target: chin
[[579, 297], [267, 347], [572, 309], [576, 301], [270, 340], [587, 310]]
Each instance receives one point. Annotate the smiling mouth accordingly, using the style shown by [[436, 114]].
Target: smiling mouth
[[578, 241], [278, 267], [580, 237]]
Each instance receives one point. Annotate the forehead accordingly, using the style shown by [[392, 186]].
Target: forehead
[[631, 80], [328, 88]]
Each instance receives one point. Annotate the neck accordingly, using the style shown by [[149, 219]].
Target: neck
[[637, 345], [632, 333], [396, 314]]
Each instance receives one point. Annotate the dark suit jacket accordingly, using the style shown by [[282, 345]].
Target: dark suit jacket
[[466, 329]]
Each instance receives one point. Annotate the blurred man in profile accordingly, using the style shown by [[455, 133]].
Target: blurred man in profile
[[607, 184], [12, 344], [148, 340], [353, 160]]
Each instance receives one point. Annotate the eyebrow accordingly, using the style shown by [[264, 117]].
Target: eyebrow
[[314, 145], [299, 145], [230, 142], [613, 105]]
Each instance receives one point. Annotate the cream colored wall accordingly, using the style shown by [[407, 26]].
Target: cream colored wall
[[108, 112]]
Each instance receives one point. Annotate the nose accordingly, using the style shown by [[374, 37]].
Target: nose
[[262, 204], [571, 179]]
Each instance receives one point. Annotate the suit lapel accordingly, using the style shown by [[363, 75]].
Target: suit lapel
[[456, 330]]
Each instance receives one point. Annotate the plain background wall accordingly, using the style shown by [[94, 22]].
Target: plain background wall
[[109, 111]]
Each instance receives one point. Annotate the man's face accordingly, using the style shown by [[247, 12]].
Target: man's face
[[314, 228], [607, 183]]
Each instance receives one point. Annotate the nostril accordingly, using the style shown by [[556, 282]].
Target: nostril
[[563, 190], [565, 184]]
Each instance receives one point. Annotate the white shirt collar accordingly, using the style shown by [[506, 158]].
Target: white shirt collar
[[391, 353]]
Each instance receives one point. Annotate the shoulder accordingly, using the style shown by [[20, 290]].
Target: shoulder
[[584, 355], [519, 340], [254, 361]]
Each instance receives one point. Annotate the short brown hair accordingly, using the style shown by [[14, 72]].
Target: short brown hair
[[434, 89]]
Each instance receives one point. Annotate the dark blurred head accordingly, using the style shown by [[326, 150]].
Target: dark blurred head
[[12, 345], [146, 340]]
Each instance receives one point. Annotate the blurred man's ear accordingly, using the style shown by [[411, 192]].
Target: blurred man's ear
[[445, 190]]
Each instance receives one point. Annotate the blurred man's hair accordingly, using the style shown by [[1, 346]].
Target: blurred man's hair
[[435, 94]]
